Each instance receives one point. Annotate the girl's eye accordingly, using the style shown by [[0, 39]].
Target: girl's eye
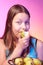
[[26, 22], [19, 22]]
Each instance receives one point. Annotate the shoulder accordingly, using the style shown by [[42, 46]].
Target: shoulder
[[40, 49], [39, 46], [2, 51], [2, 45], [39, 42]]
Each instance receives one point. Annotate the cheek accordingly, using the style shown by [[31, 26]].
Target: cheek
[[28, 27], [15, 29]]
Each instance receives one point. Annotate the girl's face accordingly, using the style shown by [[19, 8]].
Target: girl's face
[[20, 22]]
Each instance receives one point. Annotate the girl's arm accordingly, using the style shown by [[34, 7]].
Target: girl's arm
[[21, 45], [2, 52], [40, 49], [16, 53]]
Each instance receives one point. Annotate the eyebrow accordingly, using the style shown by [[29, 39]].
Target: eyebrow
[[21, 20]]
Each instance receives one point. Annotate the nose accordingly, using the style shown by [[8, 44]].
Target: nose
[[23, 26]]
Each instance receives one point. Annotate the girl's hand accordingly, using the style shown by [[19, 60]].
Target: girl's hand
[[23, 42]]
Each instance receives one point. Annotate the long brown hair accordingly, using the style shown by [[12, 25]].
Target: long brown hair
[[8, 36]]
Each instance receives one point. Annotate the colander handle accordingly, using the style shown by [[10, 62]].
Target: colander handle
[[11, 62]]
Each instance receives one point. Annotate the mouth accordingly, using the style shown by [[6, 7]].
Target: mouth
[[23, 34]]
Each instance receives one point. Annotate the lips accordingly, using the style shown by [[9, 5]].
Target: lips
[[23, 34]]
